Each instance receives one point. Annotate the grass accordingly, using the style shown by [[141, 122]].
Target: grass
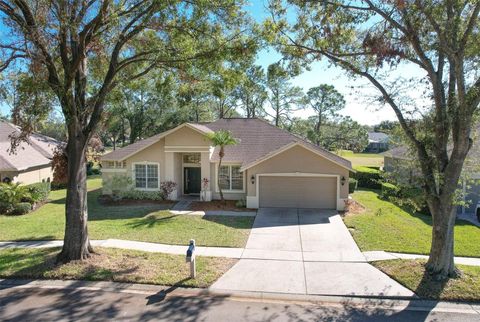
[[411, 273], [362, 159], [112, 265], [150, 223], [385, 226]]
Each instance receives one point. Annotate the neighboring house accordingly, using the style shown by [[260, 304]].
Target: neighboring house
[[377, 142], [399, 162], [269, 167], [32, 160]]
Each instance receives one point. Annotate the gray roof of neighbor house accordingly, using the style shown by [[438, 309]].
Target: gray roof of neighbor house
[[399, 152], [37, 151], [257, 138], [377, 137]]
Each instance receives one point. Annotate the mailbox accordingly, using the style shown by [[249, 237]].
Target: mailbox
[[191, 252]]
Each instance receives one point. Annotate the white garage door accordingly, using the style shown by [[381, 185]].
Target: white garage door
[[298, 192]]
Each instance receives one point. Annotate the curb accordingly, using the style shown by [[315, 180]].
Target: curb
[[389, 302]]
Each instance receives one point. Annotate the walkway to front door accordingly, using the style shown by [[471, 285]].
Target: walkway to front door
[[305, 251]]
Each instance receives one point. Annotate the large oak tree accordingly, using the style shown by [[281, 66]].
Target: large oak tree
[[438, 39], [84, 48]]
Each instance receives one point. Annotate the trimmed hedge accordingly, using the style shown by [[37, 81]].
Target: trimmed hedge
[[140, 195], [389, 190], [368, 177], [352, 185]]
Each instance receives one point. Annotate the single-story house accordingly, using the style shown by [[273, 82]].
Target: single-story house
[[31, 162], [269, 167], [377, 142], [400, 162]]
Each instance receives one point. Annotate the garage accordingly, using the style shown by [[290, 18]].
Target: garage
[[298, 191]]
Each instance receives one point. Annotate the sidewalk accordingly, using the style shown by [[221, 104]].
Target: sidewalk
[[135, 245], [227, 252]]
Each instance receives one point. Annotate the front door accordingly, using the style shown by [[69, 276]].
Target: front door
[[192, 181]]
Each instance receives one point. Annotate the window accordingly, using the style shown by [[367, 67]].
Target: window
[[108, 164], [146, 176], [191, 158], [230, 177]]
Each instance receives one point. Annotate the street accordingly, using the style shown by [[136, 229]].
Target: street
[[70, 304]]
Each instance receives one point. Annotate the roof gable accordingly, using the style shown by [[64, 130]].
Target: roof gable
[[290, 146], [36, 151], [132, 149]]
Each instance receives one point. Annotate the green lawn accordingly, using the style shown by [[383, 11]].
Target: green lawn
[[385, 226], [362, 159], [411, 273], [140, 222], [112, 265]]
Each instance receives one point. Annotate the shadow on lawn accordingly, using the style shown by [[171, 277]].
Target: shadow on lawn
[[429, 288], [97, 211], [151, 220]]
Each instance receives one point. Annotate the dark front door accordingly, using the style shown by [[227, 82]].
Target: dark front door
[[192, 181]]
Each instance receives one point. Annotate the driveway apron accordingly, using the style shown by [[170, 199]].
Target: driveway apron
[[305, 251]]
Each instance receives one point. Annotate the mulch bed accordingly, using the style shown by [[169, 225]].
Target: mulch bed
[[216, 205], [353, 208], [107, 200]]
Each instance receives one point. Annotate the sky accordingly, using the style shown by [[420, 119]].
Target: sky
[[321, 73]]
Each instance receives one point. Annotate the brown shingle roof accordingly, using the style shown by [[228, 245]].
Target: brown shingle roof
[[258, 138], [37, 151]]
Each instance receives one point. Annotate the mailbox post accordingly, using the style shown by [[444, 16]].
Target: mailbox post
[[191, 258]]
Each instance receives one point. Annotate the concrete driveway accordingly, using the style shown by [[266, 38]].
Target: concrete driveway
[[305, 251]]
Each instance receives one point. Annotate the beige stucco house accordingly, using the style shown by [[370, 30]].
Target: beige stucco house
[[269, 167], [31, 161]]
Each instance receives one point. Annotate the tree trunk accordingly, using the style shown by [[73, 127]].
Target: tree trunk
[[218, 178], [76, 244], [441, 260]]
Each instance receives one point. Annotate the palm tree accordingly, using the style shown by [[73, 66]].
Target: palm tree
[[221, 139]]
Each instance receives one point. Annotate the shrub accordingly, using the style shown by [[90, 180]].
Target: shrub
[[14, 193], [352, 185], [58, 185], [167, 187], [409, 197], [96, 171], [368, 177], [241, 203], [389, 190], [39, 191], [5, 208], [140, 195], [21, 208], [117, 183]]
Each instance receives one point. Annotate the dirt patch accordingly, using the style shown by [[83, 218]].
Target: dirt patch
[[107, 200], [353, 207], [115, 265], [216, 205]]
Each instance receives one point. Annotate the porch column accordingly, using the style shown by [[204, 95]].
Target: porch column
[[206, 193], [170, 172]]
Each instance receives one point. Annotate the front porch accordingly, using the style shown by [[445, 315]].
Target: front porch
[[190, 168]]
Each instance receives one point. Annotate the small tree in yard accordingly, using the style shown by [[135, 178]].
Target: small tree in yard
[[83, 49], [435, 105], [221, 139]]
